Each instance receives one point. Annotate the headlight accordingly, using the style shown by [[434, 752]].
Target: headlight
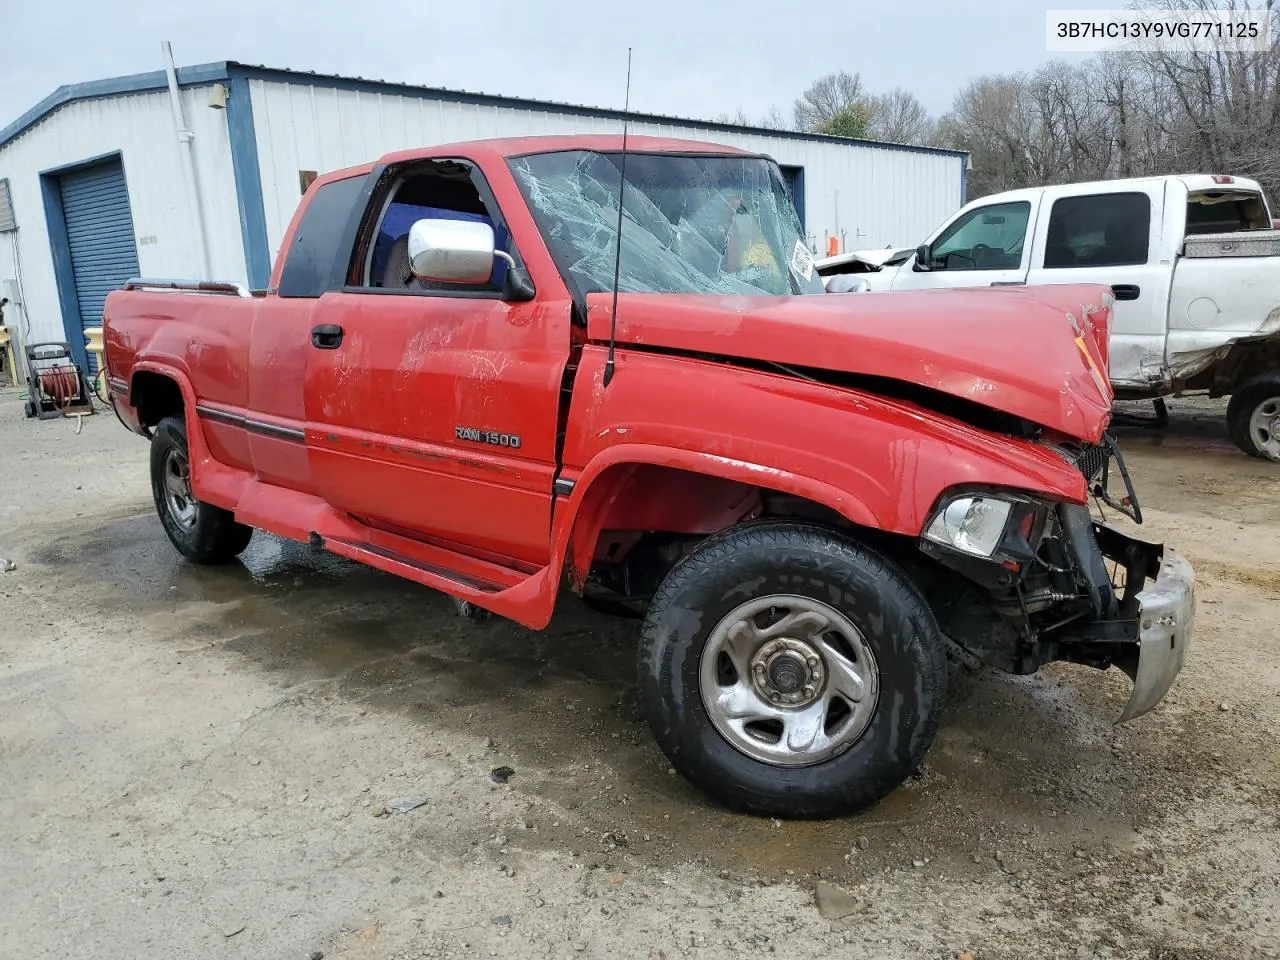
[[971, 524]]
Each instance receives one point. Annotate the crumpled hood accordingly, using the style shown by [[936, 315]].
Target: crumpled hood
[[1039, 353]]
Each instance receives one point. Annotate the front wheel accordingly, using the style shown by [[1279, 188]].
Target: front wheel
[[1253, 417], [202, 532], [789, 671]]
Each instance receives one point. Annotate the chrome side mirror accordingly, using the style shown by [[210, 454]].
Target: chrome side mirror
[[453, 251]]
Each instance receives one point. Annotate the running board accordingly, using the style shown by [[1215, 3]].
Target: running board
[[405, 566], [528, 602], [520, 595]]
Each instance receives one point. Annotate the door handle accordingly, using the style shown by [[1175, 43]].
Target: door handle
[[1126, 291], [327, 336]]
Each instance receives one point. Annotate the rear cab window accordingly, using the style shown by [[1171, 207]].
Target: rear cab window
[[1221, 211], [1102, 230], [317, 258]]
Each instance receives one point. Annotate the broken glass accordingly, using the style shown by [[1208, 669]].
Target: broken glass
[[692, 223]]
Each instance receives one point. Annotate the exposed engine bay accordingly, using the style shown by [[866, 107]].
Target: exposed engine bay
[[1062, 584]]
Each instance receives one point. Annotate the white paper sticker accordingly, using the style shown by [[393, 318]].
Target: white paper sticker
[[802, 261]]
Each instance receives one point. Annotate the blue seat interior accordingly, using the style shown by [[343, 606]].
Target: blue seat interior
[[400, 217]]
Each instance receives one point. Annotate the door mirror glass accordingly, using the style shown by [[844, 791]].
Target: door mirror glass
[[922, 257], [451, 251]]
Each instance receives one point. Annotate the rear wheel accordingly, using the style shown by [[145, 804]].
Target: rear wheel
[[789, 671], [202, 532], [1253, 417]]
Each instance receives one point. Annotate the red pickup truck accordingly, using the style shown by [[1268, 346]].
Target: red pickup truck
[[811, 498]]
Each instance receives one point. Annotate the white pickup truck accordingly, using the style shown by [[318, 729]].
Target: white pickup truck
[[1194, 263]]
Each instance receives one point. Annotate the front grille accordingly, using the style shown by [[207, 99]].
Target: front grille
[[1091, 460], [1095, 462]]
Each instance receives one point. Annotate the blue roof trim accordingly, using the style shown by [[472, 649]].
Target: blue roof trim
[[244, 166], [216, 72], [495, 100], [113, 87]]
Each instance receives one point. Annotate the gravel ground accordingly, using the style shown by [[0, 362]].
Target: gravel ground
[[196, 762]]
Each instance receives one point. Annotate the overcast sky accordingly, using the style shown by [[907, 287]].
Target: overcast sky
[[694, 58]]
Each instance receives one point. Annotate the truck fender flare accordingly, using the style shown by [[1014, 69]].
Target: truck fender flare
[[583, 513], [197, 449]]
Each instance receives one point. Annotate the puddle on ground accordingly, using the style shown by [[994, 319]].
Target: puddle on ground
[[560, 705]]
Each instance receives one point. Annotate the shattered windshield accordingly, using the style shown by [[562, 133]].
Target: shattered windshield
[[691, 223]]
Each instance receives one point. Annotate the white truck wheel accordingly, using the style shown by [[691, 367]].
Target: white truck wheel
[[1253, 417]]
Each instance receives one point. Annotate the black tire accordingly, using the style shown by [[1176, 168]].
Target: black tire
[[809, 561], [206, 534], [1262, 389]]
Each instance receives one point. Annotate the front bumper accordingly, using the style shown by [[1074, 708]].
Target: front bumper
[[1166, 612]]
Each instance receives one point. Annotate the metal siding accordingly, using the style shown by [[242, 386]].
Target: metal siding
[[140, 128], [95, 209], [880, 195]]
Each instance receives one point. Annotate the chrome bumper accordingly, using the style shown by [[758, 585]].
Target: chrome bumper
[[1167, 609]]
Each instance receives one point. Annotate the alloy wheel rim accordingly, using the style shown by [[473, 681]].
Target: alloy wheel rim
[[177, 490], [788, 680], [1264, 427]]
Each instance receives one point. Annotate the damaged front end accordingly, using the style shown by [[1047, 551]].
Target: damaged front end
[[1049, 581]]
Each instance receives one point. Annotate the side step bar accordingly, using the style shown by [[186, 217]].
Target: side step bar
[[526, 596], [367, 552]]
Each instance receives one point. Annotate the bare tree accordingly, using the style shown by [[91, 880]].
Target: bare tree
[[826, 97], [773, 120], [738, 118], [1123, 114], [1217, 110], [991, 119], [1114, 82], [898, 117]]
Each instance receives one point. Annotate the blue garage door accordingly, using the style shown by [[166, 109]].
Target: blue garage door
[[95, 206]]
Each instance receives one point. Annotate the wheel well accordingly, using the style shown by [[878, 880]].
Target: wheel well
[[651, 515], [1247, 359], [155, 397]]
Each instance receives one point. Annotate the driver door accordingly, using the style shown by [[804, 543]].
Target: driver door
[[988, 245], [432, 408]]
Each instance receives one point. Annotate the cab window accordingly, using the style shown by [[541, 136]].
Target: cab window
[[437, 189], [988, 238], [321, 244], [1104, 230]]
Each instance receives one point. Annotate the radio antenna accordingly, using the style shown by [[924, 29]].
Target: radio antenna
[[617, 256]]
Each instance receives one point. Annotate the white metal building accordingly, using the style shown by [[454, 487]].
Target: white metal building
[[98, 186]]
